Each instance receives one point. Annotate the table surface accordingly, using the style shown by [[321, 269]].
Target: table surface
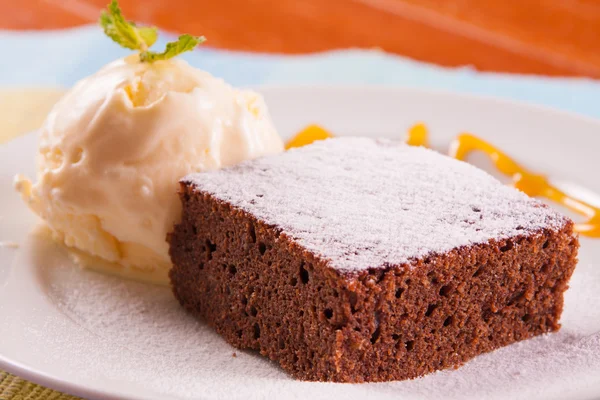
[[551, 37]]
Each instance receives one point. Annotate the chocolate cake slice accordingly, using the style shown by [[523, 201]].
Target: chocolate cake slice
[[356, 260]]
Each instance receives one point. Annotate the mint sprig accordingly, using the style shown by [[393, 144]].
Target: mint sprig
[[184, 43], [149, 34], [128, 35], [125, 32]]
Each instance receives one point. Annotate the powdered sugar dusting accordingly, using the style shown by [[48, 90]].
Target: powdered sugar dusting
[[137, 334], [363, 203]]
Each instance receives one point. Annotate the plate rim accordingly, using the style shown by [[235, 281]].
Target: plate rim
[[499, 100], [37, 377]]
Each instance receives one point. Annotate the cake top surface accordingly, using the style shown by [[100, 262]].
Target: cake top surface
[[361, 203]]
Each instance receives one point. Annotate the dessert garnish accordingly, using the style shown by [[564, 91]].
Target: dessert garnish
[[129, 35], [533, 184]]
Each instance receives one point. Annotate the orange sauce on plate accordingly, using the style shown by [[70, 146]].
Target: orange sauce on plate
[[308, 135], [535, 185]]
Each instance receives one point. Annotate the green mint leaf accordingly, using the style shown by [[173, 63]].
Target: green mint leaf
[[184, 43], [124, 32], [128, 35], [149, 34]]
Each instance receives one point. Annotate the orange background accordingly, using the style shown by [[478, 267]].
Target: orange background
[[553, 37]]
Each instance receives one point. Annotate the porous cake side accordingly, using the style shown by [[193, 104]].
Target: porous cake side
[[262, 290]]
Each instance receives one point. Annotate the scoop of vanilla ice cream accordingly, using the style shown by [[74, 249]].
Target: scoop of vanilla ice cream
[[112, 151]]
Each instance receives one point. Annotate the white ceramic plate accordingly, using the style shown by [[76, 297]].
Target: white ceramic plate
[[101, 337]]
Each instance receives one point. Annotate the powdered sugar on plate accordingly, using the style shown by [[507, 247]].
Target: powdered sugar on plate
[[363, 203], [137, 333]]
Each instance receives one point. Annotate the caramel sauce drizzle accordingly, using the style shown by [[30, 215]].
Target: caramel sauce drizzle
[[535, 185], [308, 135]]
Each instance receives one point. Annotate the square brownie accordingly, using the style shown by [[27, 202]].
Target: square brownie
[[357, 259]]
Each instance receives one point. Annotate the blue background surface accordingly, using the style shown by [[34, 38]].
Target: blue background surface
[[60, 58]]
